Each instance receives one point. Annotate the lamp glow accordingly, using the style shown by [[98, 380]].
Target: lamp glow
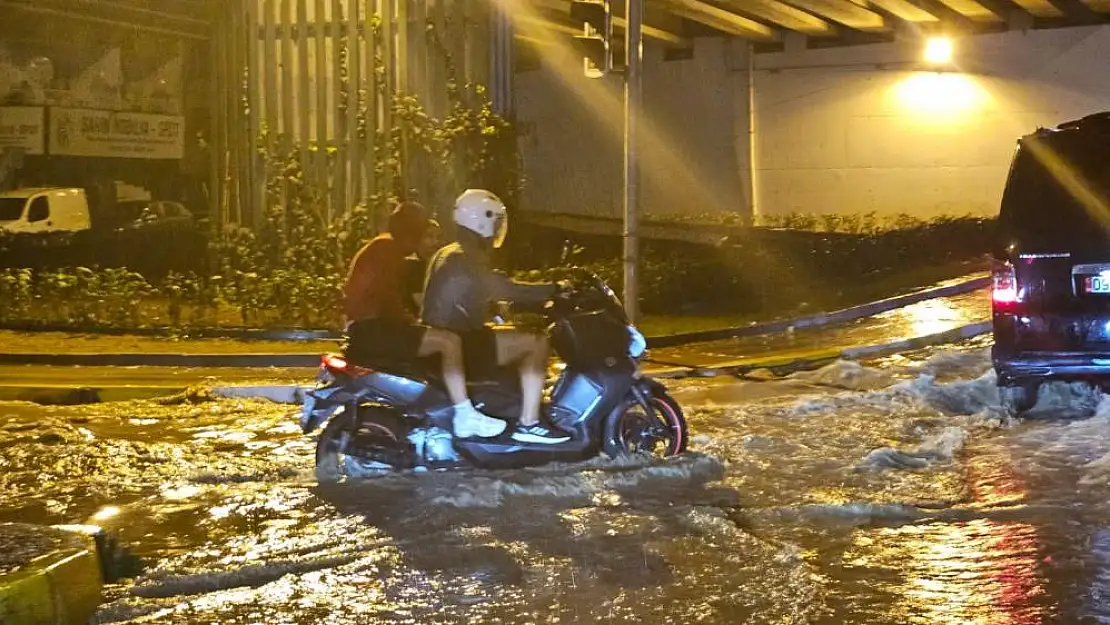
[[938, 50]]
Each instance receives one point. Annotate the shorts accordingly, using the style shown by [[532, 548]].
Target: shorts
[[378, 342], [479, 348]]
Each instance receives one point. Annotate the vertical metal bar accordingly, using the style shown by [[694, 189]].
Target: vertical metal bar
[[401, 56], [633, 92], [339, 122], [753, 209], [494, 58], [501, 59], [389, 15], [288, 93], [270, 80], [439, 104], [225, 98], [254, 97], [239, 127], [304, 111], [321, 73], [418, 38], [457, 43], [354, 63], [371, 151], [216, 125]]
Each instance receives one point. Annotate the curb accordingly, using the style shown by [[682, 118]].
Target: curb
[[298, 334], [63, 586], [139, 359], [822, 319], [799, 361], [65, 395], [780, 364], [243, 334]]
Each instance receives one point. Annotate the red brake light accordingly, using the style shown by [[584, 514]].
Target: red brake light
[[336, 362], [1004, 288]]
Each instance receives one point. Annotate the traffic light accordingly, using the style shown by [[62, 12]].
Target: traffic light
[[597, 35]]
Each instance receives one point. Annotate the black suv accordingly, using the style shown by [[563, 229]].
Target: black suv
[[1051, 273]]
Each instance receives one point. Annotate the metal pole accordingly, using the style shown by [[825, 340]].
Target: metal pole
[[633, 92], [753, 208]]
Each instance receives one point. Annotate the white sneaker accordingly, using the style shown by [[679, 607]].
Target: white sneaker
[[469, 422]]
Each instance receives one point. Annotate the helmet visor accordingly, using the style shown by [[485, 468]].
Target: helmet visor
[[500, 230]]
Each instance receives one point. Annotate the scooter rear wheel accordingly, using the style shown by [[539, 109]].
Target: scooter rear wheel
[[632, 430], [374, 445]]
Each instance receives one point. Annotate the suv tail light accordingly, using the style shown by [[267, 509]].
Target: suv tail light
[[1004, 287]]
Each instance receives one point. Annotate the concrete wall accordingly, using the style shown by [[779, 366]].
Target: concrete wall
[[854, 129], [574, 132], [836, 133]]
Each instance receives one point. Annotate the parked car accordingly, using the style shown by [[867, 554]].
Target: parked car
[[60, 227], [43, 210], [1051, 273]]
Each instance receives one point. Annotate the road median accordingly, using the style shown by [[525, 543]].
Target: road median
[[48, 575]]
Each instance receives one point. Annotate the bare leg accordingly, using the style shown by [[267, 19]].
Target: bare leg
[[531, 351], [467, 421], [449, 347]]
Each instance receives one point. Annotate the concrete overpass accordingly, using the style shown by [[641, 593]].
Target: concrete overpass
[[777, 24], [810, 106]]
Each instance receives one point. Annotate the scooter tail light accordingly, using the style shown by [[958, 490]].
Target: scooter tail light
[[335, 362]]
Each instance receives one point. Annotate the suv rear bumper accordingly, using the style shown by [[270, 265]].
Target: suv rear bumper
[[1033, 366]]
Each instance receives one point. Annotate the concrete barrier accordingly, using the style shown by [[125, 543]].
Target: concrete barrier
[[61, 584], [822, 319]]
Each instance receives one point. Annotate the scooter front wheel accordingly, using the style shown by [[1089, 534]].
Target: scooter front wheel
[[370, 443], [632, 430]]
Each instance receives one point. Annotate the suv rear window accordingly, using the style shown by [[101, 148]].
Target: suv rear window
[[1057, 197]]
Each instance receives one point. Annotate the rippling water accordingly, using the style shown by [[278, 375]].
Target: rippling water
[[888, 493]]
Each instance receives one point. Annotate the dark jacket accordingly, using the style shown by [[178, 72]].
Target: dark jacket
[[460, 287]]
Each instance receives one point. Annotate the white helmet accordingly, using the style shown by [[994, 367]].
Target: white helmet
[[484, 214]]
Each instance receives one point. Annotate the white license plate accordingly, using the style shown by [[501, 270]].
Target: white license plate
[[1096, 284]]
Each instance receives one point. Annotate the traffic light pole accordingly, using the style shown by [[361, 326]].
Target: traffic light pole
[[633, 92]]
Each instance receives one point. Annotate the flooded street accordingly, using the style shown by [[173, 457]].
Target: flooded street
[[888, 492]]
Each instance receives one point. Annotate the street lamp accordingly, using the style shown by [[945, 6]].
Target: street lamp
[[938, 51]]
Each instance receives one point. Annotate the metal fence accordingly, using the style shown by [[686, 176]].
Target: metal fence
[[293, 75]]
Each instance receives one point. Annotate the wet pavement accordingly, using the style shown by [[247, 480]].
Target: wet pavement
[[924, 318], [886, 492]]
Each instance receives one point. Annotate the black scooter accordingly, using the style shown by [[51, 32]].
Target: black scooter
[[398, 417]]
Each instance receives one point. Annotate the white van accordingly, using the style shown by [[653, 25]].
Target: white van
[[38, 210]]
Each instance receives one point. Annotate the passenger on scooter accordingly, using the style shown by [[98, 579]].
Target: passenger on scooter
[[416, 266], [458, 291], [380, 326]]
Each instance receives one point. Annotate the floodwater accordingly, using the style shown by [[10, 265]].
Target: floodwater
[[888, 492]]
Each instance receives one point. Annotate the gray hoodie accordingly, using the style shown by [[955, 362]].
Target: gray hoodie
[[460, 286]]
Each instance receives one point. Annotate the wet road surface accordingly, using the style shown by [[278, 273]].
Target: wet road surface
[[924, 318], [891, 492]]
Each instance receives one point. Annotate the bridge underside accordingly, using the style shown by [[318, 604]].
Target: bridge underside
[[772, 25]]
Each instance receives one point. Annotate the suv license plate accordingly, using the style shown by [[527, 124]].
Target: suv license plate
[[1096, 284]]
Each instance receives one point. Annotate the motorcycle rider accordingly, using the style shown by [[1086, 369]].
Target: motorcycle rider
[[379, 325], [458, 290]]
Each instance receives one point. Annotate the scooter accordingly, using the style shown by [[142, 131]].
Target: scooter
[[398, 417]]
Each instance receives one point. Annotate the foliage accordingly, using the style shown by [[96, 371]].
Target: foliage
[[761, 270], [846, 223]]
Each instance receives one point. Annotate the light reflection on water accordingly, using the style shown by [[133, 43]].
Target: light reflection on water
[[784, 514], [981, 572]]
